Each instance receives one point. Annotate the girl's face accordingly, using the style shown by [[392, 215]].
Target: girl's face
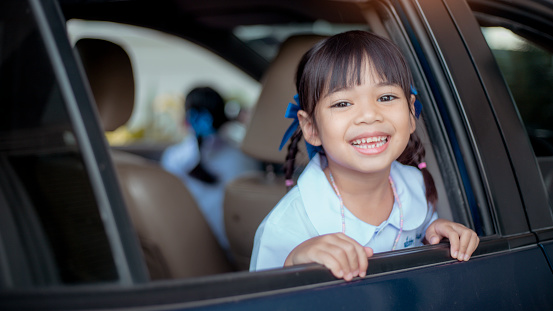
[[363, 128]]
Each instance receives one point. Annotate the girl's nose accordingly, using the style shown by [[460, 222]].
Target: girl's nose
[[368, 113]]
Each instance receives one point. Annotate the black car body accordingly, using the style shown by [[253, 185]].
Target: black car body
[[496, 163]]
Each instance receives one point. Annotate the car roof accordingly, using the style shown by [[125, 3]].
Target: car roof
[[210, 23], [220, 14]]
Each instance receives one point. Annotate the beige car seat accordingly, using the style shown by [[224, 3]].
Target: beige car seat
[[175, 238], [249, 199]]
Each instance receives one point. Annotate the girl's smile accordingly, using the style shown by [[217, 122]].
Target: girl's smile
[[371, 144]]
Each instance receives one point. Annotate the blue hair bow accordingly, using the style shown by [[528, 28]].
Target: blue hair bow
[[201, 121], [418, 105], [292, 113]]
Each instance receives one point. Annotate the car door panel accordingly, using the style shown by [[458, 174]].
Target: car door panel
[[451, 286], [479, 283]]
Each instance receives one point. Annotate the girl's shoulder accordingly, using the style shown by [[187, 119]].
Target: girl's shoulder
[[290, 204], [406, 173], [287, 219]]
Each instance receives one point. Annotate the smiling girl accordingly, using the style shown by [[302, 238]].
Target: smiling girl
[[366, 188]]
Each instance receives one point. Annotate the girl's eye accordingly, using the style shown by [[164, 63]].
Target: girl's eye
[[341, 105], [386, 98]]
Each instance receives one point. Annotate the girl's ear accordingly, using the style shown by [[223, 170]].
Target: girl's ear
[[308, 129], [413, 119]]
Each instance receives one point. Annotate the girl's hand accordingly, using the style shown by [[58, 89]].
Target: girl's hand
[[341, 254], [462, 239]]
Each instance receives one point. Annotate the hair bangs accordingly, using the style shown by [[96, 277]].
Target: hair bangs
[[340, 62], [353, 57]]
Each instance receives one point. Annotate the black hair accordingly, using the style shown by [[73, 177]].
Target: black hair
[[338, 62], [208, 100]]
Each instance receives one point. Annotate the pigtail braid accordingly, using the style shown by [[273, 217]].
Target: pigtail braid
[[413, 155], [289, 163]]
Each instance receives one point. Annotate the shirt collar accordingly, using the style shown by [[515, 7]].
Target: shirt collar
[[323, 206]]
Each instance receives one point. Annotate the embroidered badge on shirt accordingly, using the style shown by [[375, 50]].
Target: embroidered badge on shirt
[[408, 242]]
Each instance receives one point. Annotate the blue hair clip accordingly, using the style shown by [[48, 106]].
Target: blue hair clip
[[292, 113], [418, 105], [201, 121]]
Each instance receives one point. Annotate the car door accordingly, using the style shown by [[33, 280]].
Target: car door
[[63, 221], [489, 187], [518, 33]]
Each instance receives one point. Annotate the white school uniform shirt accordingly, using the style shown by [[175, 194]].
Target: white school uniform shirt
[[219, 157], [312, 208]]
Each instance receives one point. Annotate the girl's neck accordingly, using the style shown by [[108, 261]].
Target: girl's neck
[[367, 195], [352, 181]]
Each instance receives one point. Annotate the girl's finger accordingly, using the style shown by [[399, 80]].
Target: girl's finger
[[364, 263], [353, 252], [454, 242], [474, 241], [327, 260], [432, 236], [363, 254], [332, 252], [465, 236]]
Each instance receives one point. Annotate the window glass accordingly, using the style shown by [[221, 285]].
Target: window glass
[[528, 71], [43, 180], [165, 69], [266, 39]]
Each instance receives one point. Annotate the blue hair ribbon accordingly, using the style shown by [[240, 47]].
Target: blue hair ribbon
[[418, 105], [292, 113], [201, 121]]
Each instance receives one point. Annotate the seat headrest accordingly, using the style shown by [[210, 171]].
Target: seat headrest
[[268, 124], [109, 71]]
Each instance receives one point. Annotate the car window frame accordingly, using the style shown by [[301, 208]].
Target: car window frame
[[85, 121], [530, 18], [487, 142]]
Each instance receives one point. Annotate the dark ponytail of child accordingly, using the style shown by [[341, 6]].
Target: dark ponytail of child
[[413, 155], [290, 162]]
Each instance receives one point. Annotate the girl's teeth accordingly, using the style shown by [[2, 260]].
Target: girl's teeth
[[379, 144], [381, 140]]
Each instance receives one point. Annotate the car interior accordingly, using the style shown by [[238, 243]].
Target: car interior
[[166, 218], [90, 220], [48, 201], [175, 238]]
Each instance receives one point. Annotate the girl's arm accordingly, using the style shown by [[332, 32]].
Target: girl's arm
[[341, 254], [462, 239]]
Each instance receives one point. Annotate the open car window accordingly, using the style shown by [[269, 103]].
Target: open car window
[[527, 68]]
